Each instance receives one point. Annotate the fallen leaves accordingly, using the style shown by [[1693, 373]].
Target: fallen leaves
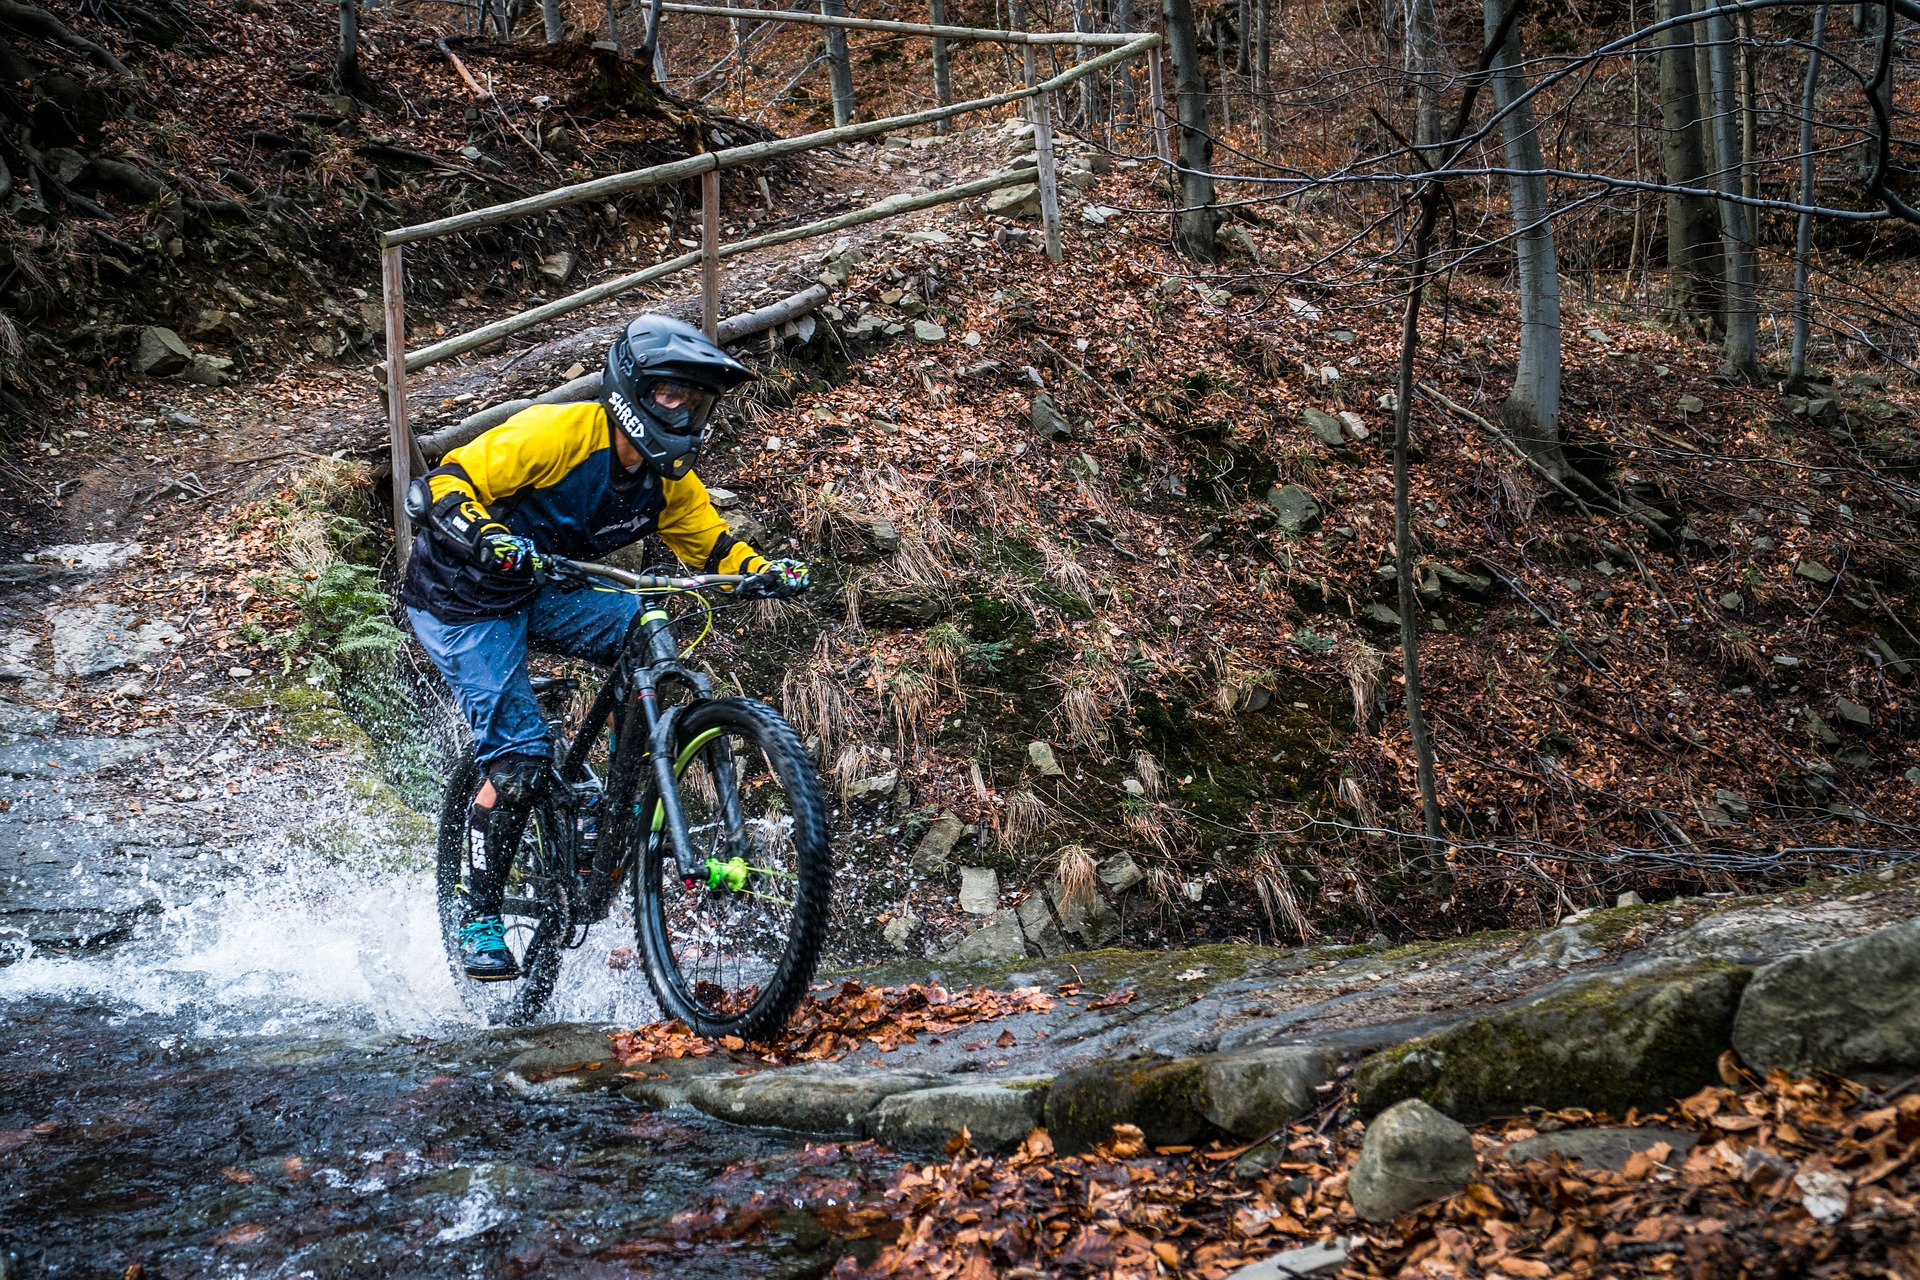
[[828, 1030]]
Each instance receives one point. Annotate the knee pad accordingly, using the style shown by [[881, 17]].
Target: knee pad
[[515, 778]]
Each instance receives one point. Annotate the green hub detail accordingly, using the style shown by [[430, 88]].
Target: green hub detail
[[731, 875]]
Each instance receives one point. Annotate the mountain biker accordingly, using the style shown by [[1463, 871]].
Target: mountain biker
[[575, 480]]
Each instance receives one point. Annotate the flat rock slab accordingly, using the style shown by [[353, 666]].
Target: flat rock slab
[[91, 639], [74, 885], [1321, 1257], [995, 1115], [580, 1062], [1602, 1148], [1850, 1007], [824, 1100], [32, 757]]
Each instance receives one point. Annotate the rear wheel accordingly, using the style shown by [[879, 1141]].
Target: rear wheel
[[732, 952], [536, 909]]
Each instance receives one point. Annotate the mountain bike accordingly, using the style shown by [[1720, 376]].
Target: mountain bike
[[707, 810]]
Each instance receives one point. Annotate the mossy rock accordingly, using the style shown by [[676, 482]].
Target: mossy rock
[[1607, 1044], [1166, 1099]]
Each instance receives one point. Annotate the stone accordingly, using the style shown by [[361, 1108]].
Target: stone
[[1298, 511], [1813, 571], [579, 1061], [1381, 615], [1604, 1043], [1038, 926], [884, 536], [1021, 200], [928, 331], [215, 371], [1412, 1154], [1048, 422], [1040, 756], [1077, 179], [996, 1117], [1120, 873], [904, 605], [86, 557], [998, 939], [1691, 404], [936, 846], [1163, 1097], [1353, 424], [1325, 427], [979, 890], [1732, 601], [900, 930], [1629, 899], [821, 1099], [557, 268], [91, 639], [1846, 709], [1308, 1259], [1891, 656], [1732, 801], [1850, 1007], [159, 353], [1606, 1148], [1474, 586], [1084, 916], [879, 786], [1253, 1093]]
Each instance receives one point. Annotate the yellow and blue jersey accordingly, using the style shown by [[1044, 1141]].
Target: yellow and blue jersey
[[550, 474]]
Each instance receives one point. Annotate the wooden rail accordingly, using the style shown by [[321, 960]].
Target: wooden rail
[[405, 454]]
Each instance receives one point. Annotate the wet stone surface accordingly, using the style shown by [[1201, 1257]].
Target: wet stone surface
[[124, 1141]]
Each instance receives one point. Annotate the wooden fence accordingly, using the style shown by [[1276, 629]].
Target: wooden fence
[[405, 453]]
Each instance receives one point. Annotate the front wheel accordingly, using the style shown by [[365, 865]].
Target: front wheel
[[731, 952], [536, 909]]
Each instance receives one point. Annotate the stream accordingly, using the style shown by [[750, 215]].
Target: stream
[[273, 1075]]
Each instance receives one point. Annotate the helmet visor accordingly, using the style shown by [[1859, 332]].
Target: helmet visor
[[679, 406]]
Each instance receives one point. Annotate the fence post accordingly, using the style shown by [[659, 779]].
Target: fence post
[[942, 76], [1156, 87], [1043, 162], [399, 441], [710, 253], [839, 64]]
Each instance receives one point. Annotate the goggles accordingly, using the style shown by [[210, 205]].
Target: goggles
[[680, 407]]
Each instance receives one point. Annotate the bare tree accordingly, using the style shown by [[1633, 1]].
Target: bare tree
[[1738, 358], [942, 75], [1693, 243], [1198, 224], [1531, 413], [1803, 235], [347, 74], [550, 16]]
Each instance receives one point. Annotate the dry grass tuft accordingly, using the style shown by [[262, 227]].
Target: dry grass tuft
[[1152, 780], [1277, 899], [1076, 877], [1024, 816], [1363, 667]]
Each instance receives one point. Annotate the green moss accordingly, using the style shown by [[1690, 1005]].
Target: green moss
[[1165, 1099]]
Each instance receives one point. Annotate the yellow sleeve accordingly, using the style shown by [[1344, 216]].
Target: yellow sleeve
[[534, 448], [696, 533]]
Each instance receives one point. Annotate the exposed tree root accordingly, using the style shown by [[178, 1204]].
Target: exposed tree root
[[37, 21]]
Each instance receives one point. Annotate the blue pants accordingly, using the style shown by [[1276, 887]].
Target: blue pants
[[486, 661]]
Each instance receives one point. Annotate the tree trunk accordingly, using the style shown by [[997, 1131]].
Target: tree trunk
[[1803, 239], [1263, 70], [1429, 206], [839, 64], [1127, 103], [1198, 222], [550, 16], [1421, 46], [1693, 242], [1531, 413], [1737, 355], [1243, 58], [1089, 85], [346, 65]]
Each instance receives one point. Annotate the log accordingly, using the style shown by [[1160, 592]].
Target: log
[[753, 153], [984, 34], [587, 387]]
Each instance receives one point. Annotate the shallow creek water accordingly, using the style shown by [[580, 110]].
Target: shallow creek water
[[276, 1077]]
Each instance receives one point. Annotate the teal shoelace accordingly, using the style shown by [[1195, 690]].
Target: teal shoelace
[[484, 935]]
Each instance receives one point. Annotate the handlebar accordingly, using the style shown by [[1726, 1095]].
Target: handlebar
[[642, 581]]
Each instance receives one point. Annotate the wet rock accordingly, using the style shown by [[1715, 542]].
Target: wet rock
[[1412, 1154], [1164, 1098], [159, 353], [998, 939], [664, 1084], [823, 1099], [1849, 1007], [1253, 1093], [1813, 571], [1607, 1044], [1084, 916], [95, 638], [578, 1060], [1045, 763], [86, 557], [1048, 422], [979, 890], [1297, 511], [997, 1117], [1602, 1148], [1038, 926], [67, 757], [936, 846], [899, 931]]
